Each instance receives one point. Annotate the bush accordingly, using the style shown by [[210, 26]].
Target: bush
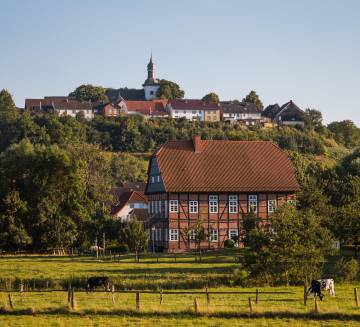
[[118, 248], [229, 244], [239, 277], [347, 270]]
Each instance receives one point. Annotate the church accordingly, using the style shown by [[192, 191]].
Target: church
[[148, 92]]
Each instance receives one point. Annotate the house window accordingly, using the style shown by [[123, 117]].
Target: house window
[[193, 206], [271, 206], [152, 179], [173, 234], [151, 92], [214, 235], [213, 204], [253, 202], [158, 179], [233, 204], [233, 234], [192, 235], [174, 206]]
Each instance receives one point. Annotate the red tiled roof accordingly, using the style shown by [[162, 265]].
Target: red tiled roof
[[57, 103], [192, 104], [225, 166], [153, 107]]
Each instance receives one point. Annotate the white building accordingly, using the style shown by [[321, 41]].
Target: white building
[[244, 112]]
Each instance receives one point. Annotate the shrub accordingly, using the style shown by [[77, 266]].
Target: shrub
[[239, 277], [229, 244], [347, 270]]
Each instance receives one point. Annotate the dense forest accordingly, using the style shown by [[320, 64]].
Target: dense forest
[[55, 172]]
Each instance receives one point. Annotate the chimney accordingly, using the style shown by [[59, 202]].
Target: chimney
[[197, 143]]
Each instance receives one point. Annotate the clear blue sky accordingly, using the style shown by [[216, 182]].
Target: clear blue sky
[[308, 50]]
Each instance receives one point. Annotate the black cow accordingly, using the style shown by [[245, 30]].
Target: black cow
[[316, 289], [94, 282]]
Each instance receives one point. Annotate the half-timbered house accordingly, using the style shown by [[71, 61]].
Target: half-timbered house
[[218, 183]]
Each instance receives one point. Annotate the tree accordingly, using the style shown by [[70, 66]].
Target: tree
[[211, 97], [135, 236], [89, 92], [252, 97], [345, 132], [169, 90], [313, 119], [348, 225], [6, 101], [13, 234], [291, 249]]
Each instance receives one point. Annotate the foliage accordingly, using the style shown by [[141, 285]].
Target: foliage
[[291, 250], [347, 270], [229, 244], [134, 236], [6, 101], [211, 97], [253, 97], [169, 90], [88, 92], [346, 132], [313, 120]]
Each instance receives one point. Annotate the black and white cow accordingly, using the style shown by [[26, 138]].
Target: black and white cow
[[322, 285], [94, 282]]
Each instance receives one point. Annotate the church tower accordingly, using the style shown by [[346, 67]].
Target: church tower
[[151, 84]]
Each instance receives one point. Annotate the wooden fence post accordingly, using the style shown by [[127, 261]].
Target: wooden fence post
[[196, 306], [207, 296], [305, 293], [161, 296], [250, 305], [356, 297], [11, 302], [69, 294], [137, 301], [73, 301], [113, 293], [257, 296], [21, 291], [316, 306]]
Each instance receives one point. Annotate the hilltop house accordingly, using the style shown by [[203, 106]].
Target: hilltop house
[[217, 182], [289, 114], [62, 105], [194, 110], [241, 112]]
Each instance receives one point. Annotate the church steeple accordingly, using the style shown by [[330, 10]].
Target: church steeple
[[151, 68], [151, 84]]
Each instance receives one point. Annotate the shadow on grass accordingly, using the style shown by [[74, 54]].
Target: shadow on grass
[[187, 313]]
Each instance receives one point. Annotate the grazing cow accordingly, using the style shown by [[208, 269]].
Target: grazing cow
[[322, 284], [315, 288], [328, 285], [94, 282]]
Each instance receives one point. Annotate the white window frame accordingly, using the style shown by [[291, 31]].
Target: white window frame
[[214, 235], [152, 181], [193, 206], [233, 232], [253, 203], [233, 204], [192, 235], [158, 178], [213, 204], [173, 206], [271, 205], [173, 235]]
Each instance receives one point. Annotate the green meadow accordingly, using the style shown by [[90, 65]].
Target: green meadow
[[277, 306]]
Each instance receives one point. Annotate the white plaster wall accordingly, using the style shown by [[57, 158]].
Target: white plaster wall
[[148, 89]]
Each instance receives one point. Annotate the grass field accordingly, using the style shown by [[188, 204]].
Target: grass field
[[97, 308]]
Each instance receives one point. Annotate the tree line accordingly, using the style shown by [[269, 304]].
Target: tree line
[[55, 173]]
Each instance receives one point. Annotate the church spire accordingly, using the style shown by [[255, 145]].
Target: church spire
[[151, 68]]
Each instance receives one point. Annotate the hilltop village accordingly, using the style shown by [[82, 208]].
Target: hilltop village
[[146, 103]]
